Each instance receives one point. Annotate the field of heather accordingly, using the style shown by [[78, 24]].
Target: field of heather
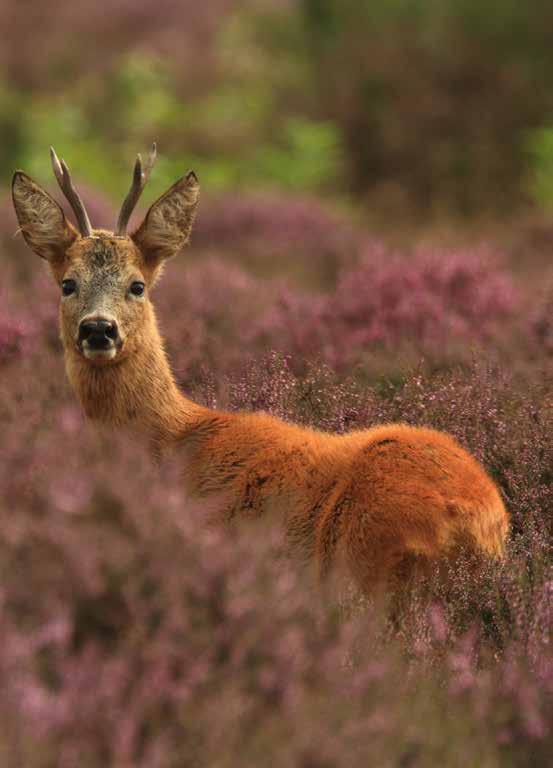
[[374, 244], [134, 635]]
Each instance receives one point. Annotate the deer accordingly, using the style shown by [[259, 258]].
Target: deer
[[374, 502]]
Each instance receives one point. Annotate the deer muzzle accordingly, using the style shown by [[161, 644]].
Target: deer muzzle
[[98, 337]]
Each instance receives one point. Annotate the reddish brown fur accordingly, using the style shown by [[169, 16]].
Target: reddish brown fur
[[374, 499]]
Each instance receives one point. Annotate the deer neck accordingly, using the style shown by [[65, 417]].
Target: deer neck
[[139, 391]]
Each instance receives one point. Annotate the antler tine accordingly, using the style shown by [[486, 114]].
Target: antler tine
[[61, 172], [141, 174]]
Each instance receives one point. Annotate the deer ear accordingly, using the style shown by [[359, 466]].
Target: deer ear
[[41, 219], [166, 228]]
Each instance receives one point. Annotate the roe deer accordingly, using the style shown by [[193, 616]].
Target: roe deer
[[377, 499]]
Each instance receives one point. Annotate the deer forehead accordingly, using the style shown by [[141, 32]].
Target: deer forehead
[[104, 255]]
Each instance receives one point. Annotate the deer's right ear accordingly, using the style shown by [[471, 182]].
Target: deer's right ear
[[168, 223], [41, 219]]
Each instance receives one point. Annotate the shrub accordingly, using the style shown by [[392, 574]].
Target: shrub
[[135, 635], [419, 80], [299, 235], [430, 301], [540, 324], [204, 310]]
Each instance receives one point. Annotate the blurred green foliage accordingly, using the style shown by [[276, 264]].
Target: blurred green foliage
[[540, 151], [303, 154], [426, 105], [307, 158], [434, 98]]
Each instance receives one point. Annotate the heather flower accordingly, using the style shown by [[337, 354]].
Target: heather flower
[[13, 334], [429, 301], [204, 309], [138, 614], [68, 35], [135, 633], [299, 232], [540, 324]]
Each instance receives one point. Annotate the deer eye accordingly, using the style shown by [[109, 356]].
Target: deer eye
[[68, 287], [137, 288]]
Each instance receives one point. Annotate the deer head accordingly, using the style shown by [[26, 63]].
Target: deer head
[[105, 277]]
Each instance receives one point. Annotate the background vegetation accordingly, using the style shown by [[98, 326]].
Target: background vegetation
[[373, 245]]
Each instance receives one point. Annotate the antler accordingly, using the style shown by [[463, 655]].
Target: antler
[[139, 180], [61, 172]]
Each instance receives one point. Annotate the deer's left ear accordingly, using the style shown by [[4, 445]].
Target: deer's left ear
[[168, 223]]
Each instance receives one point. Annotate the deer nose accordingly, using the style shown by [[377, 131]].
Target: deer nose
[[99, 333]]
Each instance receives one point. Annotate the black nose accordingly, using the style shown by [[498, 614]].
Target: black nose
[[98, 333]]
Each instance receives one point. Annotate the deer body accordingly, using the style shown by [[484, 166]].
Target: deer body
[[372, 499]]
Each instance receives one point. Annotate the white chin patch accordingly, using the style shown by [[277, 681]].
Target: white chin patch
[[99, 354]]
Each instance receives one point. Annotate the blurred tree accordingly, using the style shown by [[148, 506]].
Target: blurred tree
[[425, 105], [540, 151], [53, 43], [434, 97]]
